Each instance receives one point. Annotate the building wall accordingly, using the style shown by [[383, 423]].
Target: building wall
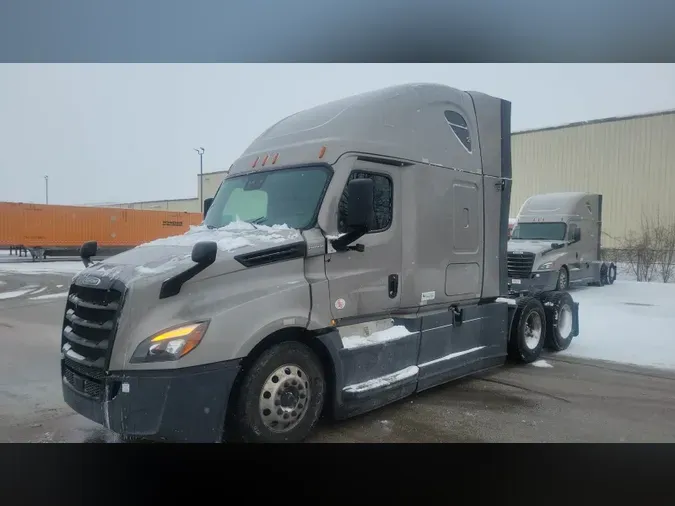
[[188, 205], [212, 181], [631, 162]]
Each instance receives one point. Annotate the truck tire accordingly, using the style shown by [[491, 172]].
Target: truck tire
[[559, 320], [604, 273], [281, 396], [611, 274], [563, 279], [528, 330]]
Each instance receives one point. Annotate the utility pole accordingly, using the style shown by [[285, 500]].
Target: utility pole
[[46, 189], [200, 152]]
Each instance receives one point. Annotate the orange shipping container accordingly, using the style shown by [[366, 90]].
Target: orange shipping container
[[53, 226]]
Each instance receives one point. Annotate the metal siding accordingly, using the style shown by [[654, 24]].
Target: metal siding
[[182, 205], [630, 162], [211, 183]]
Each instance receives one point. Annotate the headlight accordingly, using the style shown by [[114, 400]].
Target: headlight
[[546, 266], [170, 344]]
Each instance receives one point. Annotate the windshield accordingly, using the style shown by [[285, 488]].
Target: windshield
[[278, 197], [539, 231]]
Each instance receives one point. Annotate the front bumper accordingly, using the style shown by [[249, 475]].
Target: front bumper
[[179, 405], [543, 281]]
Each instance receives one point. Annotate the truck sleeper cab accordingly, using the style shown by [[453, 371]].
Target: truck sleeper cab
[[556, 244], [354, 255]]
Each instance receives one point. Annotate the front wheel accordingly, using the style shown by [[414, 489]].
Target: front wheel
[[611, 274], [563, 279], [281, 396]]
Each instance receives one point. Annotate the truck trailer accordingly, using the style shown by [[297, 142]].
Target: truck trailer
[[354, 255], [55, 230], [556, 243]]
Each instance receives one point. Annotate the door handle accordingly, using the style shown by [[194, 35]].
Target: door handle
[[393, 285], [577, 254]]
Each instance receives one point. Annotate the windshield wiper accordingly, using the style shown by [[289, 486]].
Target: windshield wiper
[[257, 221]]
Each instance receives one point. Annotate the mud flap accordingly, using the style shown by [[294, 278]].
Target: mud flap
[[575, 319]]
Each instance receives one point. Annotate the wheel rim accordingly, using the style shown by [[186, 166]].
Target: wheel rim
[[284, 398], [533, 330], [563, 279], [565, 321]]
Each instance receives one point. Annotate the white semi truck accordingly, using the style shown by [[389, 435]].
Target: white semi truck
[[354, 255], [555, 243]]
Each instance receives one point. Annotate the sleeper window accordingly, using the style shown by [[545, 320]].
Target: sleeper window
[[383, 194], [460, 128]]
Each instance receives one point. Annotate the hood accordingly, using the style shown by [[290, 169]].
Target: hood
[[167, 257], [531, 246]]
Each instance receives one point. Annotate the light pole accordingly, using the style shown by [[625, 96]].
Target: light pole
[[46, 189], [200, 152]]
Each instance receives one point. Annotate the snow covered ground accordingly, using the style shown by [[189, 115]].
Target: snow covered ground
[[57, 267], [627, 322]]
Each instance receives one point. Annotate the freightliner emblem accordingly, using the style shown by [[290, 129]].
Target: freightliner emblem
[[90, 281]]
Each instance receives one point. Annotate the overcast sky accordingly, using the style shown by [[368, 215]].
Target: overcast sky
[[120, 133]]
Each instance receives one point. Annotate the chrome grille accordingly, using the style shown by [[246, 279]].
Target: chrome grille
[[88, 332], [520, 264]]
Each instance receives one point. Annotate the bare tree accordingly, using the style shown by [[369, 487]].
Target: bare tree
[[650, 252]]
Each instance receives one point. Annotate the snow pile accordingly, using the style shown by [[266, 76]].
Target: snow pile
[[627, 322], [236, 235], [166, 266], [382, 381], [17, 293], [59, 267], [50, 296], [32, 292], [357, 336]]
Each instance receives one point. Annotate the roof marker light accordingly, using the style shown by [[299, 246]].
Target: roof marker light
[[322, 152], [255, 162], [274, 158], [265, 160]]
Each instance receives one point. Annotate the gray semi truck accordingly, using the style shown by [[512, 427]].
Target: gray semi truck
[[354, 255], [555, 243]]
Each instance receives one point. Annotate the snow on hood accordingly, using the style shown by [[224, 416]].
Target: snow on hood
[[236, 235], [171, 255]]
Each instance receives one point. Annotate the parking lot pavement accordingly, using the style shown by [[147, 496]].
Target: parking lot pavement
[[560, 399]]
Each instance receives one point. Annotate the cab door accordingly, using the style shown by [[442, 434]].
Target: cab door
[[365, 283]]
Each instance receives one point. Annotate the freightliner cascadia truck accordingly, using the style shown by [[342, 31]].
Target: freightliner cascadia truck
[[555, 244], [354, 255]]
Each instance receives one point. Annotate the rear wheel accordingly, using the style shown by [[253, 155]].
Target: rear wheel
[[559, 320], [611, 274], [604, 274], [528, 330], [281, 396], [563, 279]]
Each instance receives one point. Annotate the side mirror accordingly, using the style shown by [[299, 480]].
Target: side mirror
[[577, 235], [204, 252], [360, 214], [207, 205], [360, 206], [88, 250]]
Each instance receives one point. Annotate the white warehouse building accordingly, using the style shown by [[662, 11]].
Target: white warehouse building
[[629, 160]]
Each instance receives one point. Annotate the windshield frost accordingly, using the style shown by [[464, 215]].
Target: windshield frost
[[278, 197], [539, 231]]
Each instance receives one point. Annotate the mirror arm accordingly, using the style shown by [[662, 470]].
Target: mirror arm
[[342, 243]]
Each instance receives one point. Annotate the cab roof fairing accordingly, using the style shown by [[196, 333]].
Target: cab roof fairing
[[403, 122]]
